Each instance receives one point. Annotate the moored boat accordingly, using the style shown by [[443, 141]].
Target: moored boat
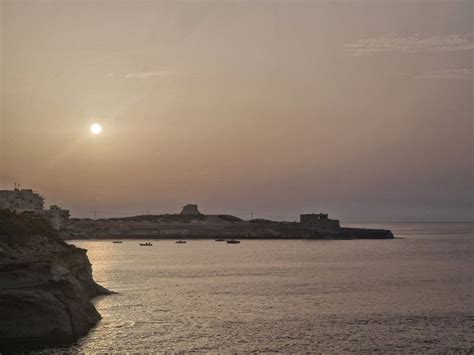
[[117, 241], [180, 242], [146, 244], [233, 241]]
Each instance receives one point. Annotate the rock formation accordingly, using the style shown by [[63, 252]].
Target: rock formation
[[45, 286]]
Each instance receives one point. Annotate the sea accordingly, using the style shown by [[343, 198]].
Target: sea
[[410, 294]]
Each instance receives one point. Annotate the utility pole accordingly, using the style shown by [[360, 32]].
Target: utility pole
[[251, 215]]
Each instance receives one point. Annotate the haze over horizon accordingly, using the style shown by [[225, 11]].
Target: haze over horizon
[[360, 109]]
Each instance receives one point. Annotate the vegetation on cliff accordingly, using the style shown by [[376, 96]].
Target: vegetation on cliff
[[16, 229]]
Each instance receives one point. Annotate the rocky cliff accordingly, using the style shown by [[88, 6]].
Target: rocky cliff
[[46, 286]]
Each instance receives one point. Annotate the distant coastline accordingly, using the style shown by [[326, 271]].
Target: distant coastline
[[192, 224]]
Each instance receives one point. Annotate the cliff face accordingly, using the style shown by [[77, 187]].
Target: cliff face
[[45, 286]]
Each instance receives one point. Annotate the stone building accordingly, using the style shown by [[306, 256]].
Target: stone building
[[57, 217], [319, 221], [24, 200], [191, 210]]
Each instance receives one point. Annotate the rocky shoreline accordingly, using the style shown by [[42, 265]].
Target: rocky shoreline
[[201, 226], [46, 286], [100, 229]]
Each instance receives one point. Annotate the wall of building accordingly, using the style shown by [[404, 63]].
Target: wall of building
[[319, 221], [25, 200], [190, 209], [57, 217]]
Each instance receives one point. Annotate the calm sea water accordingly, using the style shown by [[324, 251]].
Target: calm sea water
[[412, 294]]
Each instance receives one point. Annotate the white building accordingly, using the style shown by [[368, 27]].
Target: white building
[[27, 200], [24, 200]]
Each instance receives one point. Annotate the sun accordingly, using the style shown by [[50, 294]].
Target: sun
[[96, 128]]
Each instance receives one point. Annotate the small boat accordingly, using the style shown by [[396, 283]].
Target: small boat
[[180, 242], [117, 242], [146, 244], [233, 241], [220, 240]]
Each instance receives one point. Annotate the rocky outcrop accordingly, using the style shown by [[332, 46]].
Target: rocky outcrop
[[46, 286], [363, 233]]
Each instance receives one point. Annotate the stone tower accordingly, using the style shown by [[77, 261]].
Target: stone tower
[[190, 210]]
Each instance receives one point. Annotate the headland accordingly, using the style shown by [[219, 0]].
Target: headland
[[192, 224], [46, 285]]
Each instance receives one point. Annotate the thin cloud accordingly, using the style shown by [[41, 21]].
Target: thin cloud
[[410, 44], [450, 74], [147, 74]]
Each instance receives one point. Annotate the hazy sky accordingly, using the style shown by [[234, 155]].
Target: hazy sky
[[362, 109]]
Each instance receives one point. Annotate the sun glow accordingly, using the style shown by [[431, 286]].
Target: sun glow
[[96, 128]]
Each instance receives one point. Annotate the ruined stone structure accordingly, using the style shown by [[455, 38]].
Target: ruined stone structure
[[191, 209], [319, 221]]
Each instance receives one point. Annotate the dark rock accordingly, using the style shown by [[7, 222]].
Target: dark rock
[[362, 233], [46, 286]]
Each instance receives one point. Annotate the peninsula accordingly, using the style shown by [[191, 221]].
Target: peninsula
[[192, 224]]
